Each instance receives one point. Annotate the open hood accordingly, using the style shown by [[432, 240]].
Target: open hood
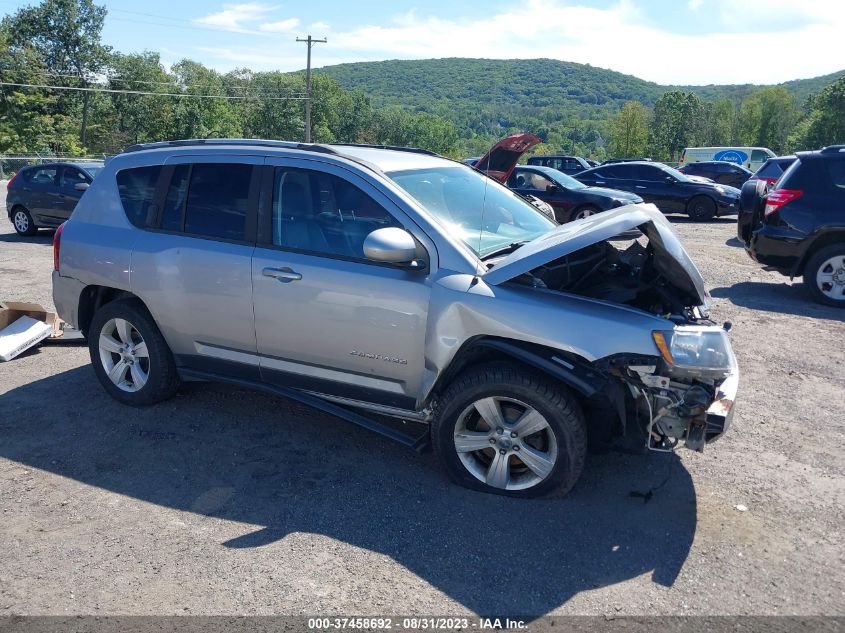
[[500, 160], [670, 257]]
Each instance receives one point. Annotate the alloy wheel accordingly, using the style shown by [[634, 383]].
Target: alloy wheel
[[584, 213], [505, 443], [831, 278], [124, 355], [21, 222]]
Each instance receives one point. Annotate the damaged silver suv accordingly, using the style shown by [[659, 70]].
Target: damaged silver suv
[[398, 290]]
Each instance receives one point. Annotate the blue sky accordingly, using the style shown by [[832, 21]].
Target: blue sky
[[681, 41]]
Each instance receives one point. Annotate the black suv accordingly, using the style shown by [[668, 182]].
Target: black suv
[[669, 189], [45, 195], [567, 164], [798, 228], [720, 171]]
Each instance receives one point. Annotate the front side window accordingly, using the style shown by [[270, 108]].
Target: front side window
[[758, 156], [218, 200], [71, 177], [473, 208], [137, 188], [534, 181], [323, 214]]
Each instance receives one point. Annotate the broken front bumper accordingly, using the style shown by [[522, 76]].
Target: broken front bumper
[[721, 412]]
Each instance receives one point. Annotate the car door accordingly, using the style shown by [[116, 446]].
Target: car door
[[192, 266], [653, 186], [42, 193], [527, 181], [327, 320], [68, 194]]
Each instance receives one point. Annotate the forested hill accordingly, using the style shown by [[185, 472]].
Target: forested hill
[[526, 86]]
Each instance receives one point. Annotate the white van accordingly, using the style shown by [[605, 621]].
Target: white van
[[750, 157]]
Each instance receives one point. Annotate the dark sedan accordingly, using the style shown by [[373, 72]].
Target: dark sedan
[[569, 198], [670, 190], [44, 196], [719, 171]]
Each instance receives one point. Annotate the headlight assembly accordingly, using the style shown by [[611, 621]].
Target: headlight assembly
[[698, 350]]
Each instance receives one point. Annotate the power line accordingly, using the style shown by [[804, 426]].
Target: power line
[[154, 94]]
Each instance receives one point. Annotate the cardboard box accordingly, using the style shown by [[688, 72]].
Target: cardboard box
[[23, 325]]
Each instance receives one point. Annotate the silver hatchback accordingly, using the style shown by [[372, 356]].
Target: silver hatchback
[[385, 285]]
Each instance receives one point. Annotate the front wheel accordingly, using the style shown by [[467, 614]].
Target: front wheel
[[502, 429], [584, 212], [23, 222], [701, 208], [824, 276], [129, 354]]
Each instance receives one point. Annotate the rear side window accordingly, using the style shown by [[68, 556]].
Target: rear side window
[[836, 171], [137, 188], [770, 170], [218, 200]]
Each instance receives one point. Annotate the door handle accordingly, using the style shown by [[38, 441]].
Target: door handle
[[285, 275], [640, 187]]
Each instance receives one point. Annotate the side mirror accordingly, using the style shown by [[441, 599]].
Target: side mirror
[[81, 186], [391, 245], [670, 180], [552, 189]]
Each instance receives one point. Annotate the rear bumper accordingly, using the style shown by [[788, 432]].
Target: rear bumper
[[776, 248], [66, 292]]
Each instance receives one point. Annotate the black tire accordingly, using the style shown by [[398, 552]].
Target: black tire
[[548, 397], [163, 379], [701, 208], [31, 229], [811, 270], [591, 209]]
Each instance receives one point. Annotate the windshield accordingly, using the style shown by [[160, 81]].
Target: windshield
[[674, 172], [461, 199], [92, 170], [564, 180]]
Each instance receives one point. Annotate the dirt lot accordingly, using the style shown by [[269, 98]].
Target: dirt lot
[[224, 501]]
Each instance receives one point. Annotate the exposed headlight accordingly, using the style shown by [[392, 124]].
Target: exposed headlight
[[621, 201], [699, 350]]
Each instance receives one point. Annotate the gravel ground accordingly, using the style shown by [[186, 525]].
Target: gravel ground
[[224, 501]]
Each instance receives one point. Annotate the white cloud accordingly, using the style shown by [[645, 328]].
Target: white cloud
[[731, 47], [281, 26]]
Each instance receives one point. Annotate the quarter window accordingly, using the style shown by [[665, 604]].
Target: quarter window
[[137, 188], [323, 214], [218, 200]]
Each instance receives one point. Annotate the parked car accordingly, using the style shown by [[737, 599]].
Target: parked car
[[613, 161], [718, 171], [371, 282], [570, 199], [798, 228], [749, 157], [44, 196], [669, 189], [773, 169], [591, 162], [566, 164]]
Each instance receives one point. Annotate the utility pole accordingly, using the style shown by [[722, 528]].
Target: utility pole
[[310, 41]]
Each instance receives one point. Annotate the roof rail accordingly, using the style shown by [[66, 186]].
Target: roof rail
[[395, 148], [311, 147], [833, 149]]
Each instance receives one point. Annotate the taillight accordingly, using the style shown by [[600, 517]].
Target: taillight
[[57, 245], [9, 184], [779, 198]]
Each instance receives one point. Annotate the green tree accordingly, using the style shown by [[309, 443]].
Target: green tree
[[825, 125], [767, 117], [67, 34], [718, 123], [629, 130], [202, 117], [675, 124]]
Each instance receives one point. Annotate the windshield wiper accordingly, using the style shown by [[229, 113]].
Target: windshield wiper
[[504, 250]]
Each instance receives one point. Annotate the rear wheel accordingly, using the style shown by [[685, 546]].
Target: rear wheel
[[129, 354], [824, 276], [503, 429], [23, 222], [701, 208]]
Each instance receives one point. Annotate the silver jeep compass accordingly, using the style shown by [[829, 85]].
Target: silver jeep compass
[[397, 290]]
